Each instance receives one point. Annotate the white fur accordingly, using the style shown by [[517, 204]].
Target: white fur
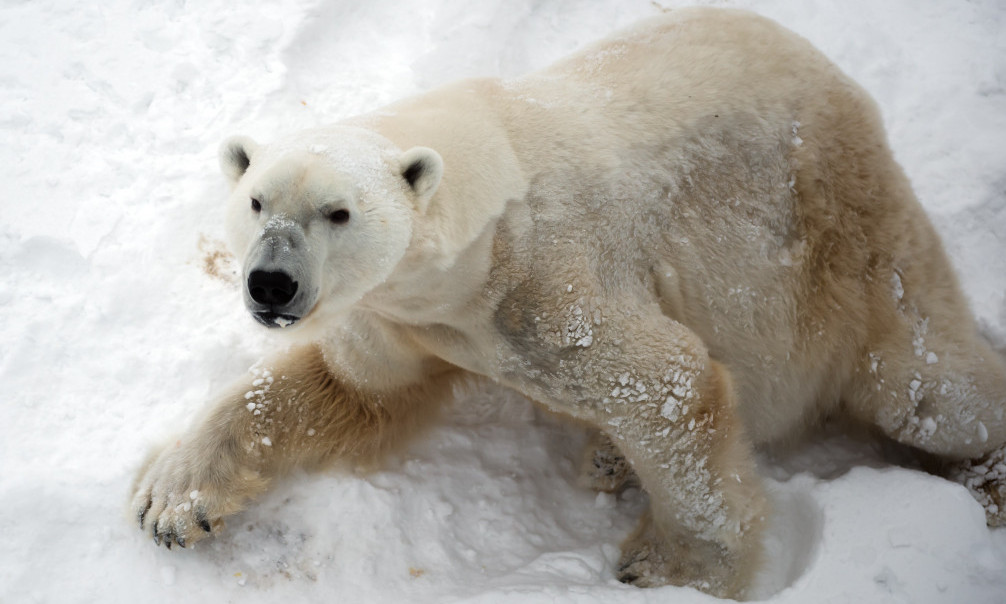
[[691, 235]]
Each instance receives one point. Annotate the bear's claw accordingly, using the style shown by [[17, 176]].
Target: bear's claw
[[142, 514]]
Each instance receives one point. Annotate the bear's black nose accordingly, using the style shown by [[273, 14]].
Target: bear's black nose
[[271, 287]]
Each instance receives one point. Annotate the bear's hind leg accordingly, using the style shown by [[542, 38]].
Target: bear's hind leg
[[939, 387]]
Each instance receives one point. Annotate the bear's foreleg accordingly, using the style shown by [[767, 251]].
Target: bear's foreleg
[[648, 383], [290, 413], [706, 504]]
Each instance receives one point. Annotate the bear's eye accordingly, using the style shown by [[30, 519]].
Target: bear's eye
[[339, 217], [256, 205]]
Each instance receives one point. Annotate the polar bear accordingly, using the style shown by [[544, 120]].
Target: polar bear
[[691, 236]]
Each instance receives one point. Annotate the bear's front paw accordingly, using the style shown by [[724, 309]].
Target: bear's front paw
[[182, 494], [650, 560]]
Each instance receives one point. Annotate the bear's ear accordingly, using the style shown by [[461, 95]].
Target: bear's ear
[[422, 168], [235, 156]]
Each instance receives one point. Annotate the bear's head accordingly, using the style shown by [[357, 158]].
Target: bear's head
[[322, 218]]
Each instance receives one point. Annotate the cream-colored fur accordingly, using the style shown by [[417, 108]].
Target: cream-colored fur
[[691, 235]]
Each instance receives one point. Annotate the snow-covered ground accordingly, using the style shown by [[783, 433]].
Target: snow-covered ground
[[119, 318]]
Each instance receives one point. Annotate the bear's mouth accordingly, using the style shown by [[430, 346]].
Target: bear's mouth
[[273, 320]]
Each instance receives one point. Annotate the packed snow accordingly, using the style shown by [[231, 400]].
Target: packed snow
[[120, 315]]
